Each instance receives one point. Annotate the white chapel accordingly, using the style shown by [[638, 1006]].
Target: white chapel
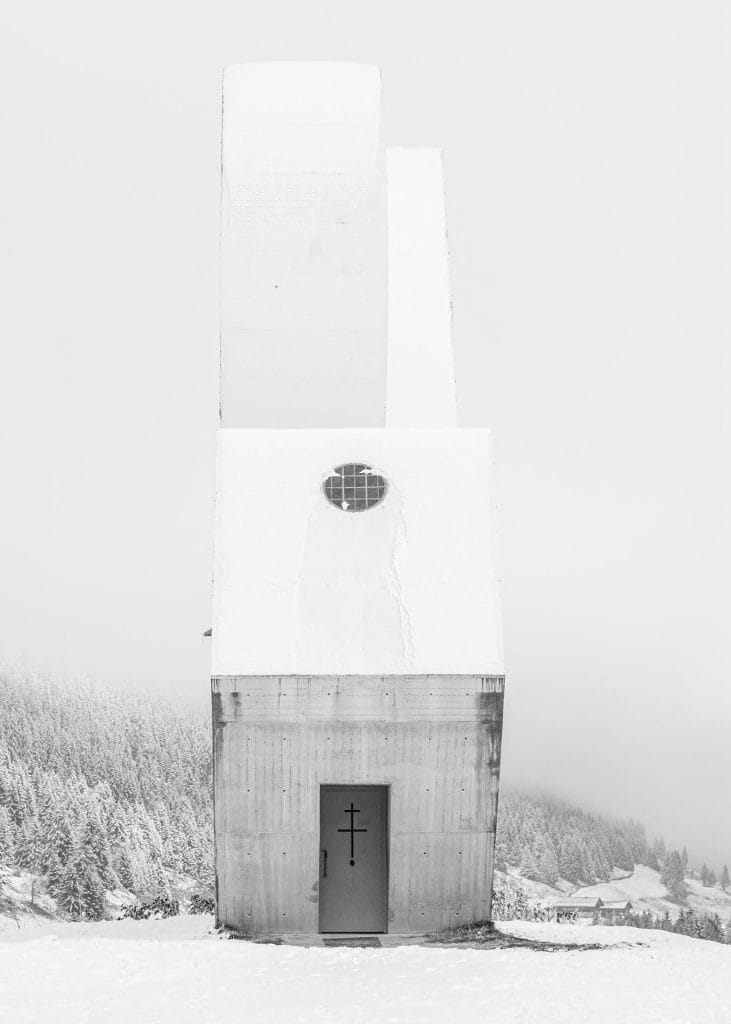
[[357, 665]]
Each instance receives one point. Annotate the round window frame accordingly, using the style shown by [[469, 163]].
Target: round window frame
[[352, 497]]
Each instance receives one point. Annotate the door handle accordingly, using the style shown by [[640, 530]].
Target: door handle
[[324, 863]]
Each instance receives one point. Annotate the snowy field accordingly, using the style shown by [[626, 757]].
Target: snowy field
[[175, 972]]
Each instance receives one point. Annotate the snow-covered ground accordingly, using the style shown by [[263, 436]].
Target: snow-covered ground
[[176, 971]]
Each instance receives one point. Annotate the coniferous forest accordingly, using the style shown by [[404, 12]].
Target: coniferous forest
[[547, 839], [104, 788]]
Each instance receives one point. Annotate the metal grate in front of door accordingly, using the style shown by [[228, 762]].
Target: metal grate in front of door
[[353, 940]]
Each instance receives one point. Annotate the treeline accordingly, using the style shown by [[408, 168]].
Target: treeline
[[548, 839], [102, 788], [697, 926], [674, 869]]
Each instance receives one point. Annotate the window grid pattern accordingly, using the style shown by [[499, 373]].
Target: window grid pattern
[[354, 487]]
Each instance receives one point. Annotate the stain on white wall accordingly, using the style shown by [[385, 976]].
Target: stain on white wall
[[408, 586], [336, 317]]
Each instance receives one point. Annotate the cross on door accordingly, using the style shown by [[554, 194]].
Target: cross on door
[[352, 811]]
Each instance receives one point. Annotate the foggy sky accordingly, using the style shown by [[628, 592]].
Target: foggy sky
[[586, 153]]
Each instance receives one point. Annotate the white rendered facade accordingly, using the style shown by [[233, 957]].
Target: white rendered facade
[[336, 350]]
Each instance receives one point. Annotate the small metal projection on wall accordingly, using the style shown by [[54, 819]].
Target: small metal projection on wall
[[354, 487]]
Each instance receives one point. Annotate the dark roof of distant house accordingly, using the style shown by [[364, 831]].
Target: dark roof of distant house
[[579, 903]]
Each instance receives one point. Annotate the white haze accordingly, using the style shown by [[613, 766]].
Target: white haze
[[587, 173]]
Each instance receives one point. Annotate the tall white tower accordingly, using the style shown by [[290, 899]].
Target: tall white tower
[[357, 669]]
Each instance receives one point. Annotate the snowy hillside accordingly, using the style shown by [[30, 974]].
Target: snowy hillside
[[643, 887], [647, 892], [25, 897], [173, 970]]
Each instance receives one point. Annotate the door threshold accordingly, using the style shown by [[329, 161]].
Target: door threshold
[[371, 931], [358, 940]]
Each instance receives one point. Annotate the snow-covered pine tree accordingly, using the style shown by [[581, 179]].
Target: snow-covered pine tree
[[7, 849], [570, 860], [124, 869], [57, 835], [548, 870], [588, 869], [92, 894], [622, 854], [525, 862], [516, 849], [204, 865], [68, 892], [711, 928], [159, 884], [597, 863], [18, 795], [94, 840], [501, 854], [80, 891], [725, 880], [672, 875], [8, 838], [30, 846], [638, 846], [652, 861], [688, 923], [527, 866]]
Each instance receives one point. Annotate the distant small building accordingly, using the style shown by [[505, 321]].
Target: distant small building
[[579, 908], [615, 911]]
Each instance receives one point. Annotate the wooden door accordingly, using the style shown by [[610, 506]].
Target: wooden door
[[353, 858]]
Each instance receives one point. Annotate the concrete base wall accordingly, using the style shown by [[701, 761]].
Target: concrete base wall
[[434, 740]]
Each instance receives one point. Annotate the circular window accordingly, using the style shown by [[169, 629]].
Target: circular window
[[354, 487]]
